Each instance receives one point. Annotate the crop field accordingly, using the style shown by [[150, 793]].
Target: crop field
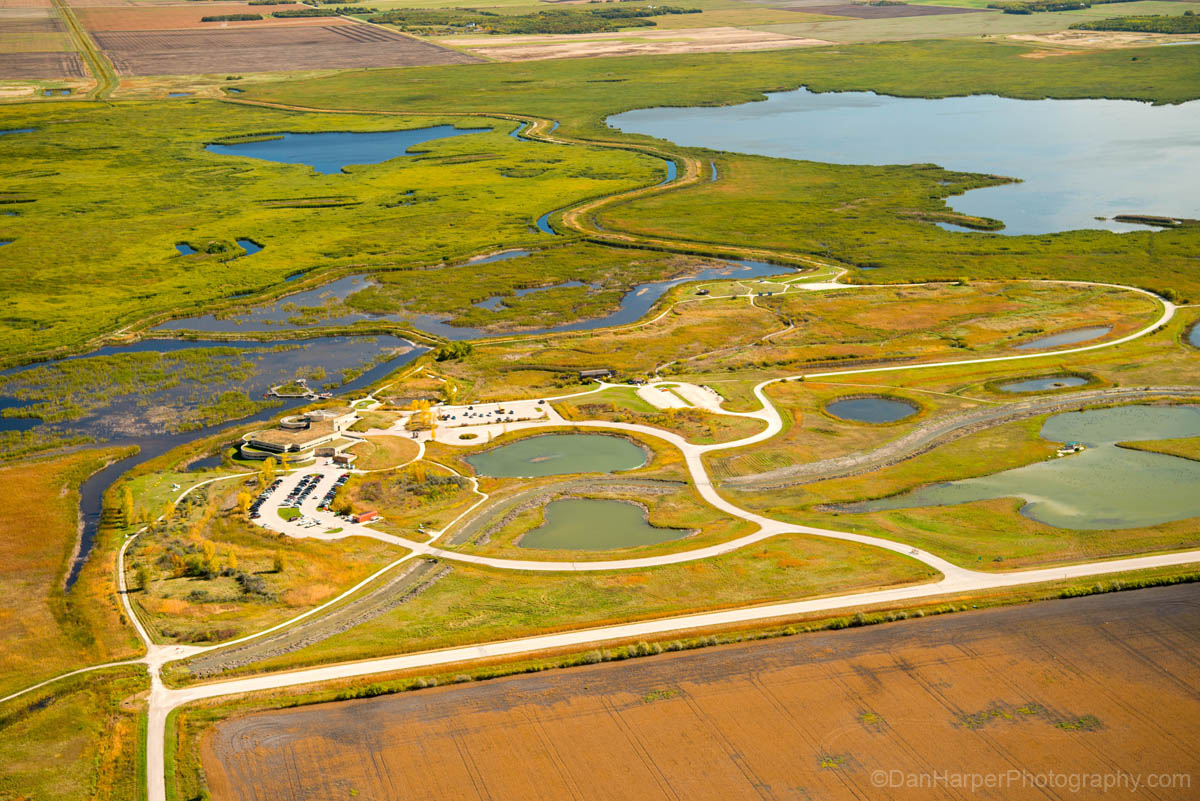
[[867, 11], [41, 65], [34, 44], [172, 17], [813, 716], [268, 49], [640, 42]]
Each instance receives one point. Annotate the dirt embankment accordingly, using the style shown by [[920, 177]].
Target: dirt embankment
[[947, 429], [406, 584]]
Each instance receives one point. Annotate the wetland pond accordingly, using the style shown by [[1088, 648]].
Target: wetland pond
[[1136, 158], [287, 313], [1066, 338], [330, 152], [876, 409], [1043, 384], [587, 524], [557, 455], [1104, 487]]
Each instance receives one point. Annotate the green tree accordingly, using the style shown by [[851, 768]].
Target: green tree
[[143, 577]]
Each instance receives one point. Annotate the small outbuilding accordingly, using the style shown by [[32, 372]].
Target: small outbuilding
[[603, 372]]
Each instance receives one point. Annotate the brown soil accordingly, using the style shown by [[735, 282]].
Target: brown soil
[[268, 49], [1095, 40], [863, 11], [41, 65], [628, 43], [1091, 685]]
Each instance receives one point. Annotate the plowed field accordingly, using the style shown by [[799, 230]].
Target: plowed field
[[268, 49], [154, 18], [1105, 686], [41, 65]]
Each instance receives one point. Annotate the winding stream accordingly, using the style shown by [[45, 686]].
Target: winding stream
[[129, 418]]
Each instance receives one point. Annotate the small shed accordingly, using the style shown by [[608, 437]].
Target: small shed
[[365, 517], [603, 372]]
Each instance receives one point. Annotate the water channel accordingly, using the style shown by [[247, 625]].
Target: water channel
[[282, 315], [148, 418]]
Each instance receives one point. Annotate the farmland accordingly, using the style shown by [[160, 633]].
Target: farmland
[[244, 198], [970, 693]]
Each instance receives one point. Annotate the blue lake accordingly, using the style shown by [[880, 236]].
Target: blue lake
[[15, 131], [328, 153], [184, 248], [250, 246], [1077, 159]]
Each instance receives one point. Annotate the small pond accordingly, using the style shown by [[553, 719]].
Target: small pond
[[1104, 487], [559, 454], [586, 524], [184, 248], [876, 409], [250, 246], [1043, 384], [284, 314], [4, 242], [1136, 158], [179, 94], [1194, 335], [1066, 338], [328, 153], [8, 131]]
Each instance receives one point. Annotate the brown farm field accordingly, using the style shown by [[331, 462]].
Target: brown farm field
[[336, 44], [48, 65], [1016, 693], [170, 17]]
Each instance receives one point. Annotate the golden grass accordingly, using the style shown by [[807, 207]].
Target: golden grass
[[43, 631]]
